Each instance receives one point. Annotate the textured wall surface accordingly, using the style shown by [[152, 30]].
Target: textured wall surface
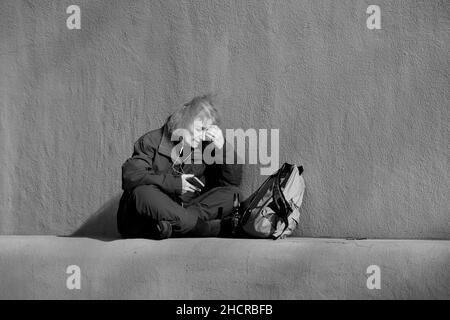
[[34, 267], [366, 112]]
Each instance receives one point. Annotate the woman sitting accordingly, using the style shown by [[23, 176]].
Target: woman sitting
[[158, 201]]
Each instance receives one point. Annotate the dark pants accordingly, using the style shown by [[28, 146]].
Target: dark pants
[[147, 204]]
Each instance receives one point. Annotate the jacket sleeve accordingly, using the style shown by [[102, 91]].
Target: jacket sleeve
[[138, 170], [226, 174]]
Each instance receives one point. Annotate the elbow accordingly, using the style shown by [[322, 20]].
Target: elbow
[[127, 185]]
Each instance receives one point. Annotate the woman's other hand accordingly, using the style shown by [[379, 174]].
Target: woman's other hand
[[214, 133]]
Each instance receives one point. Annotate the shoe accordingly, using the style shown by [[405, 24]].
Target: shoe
[[163, 230]]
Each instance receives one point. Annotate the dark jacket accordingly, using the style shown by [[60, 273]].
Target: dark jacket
[[151, 163]]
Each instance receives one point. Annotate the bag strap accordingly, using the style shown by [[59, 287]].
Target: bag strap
[[255, 197], [278, 196], [284, 208]]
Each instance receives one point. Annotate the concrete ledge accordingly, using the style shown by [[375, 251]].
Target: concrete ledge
[[34, 267]]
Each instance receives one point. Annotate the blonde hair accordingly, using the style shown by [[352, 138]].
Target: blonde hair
[[200, 106]]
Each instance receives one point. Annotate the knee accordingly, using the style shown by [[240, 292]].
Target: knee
[[144, 191], [151, 201], [229, 191], [146, 198], [224, 196]]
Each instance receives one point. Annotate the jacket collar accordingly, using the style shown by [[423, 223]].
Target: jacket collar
[[166, 145]]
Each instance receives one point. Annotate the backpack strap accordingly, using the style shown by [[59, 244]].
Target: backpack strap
[[278, 197], [256, 197], [283, 206]]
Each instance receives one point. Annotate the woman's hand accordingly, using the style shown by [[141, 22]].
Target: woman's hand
[[214, 133], [186, 186]]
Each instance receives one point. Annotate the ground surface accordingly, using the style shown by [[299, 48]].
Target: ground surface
[[297, 268]]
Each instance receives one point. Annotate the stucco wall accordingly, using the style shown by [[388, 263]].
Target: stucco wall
[[366, 112]]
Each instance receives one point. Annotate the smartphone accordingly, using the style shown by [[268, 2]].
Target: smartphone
[[196, 182]]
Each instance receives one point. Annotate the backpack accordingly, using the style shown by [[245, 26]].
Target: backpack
[[272, 211]]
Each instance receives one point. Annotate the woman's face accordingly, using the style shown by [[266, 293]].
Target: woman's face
[[197, 131]]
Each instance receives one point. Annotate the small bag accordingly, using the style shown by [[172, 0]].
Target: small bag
[[272, 211]]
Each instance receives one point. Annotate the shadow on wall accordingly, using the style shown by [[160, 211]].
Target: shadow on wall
[[102, 224]]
